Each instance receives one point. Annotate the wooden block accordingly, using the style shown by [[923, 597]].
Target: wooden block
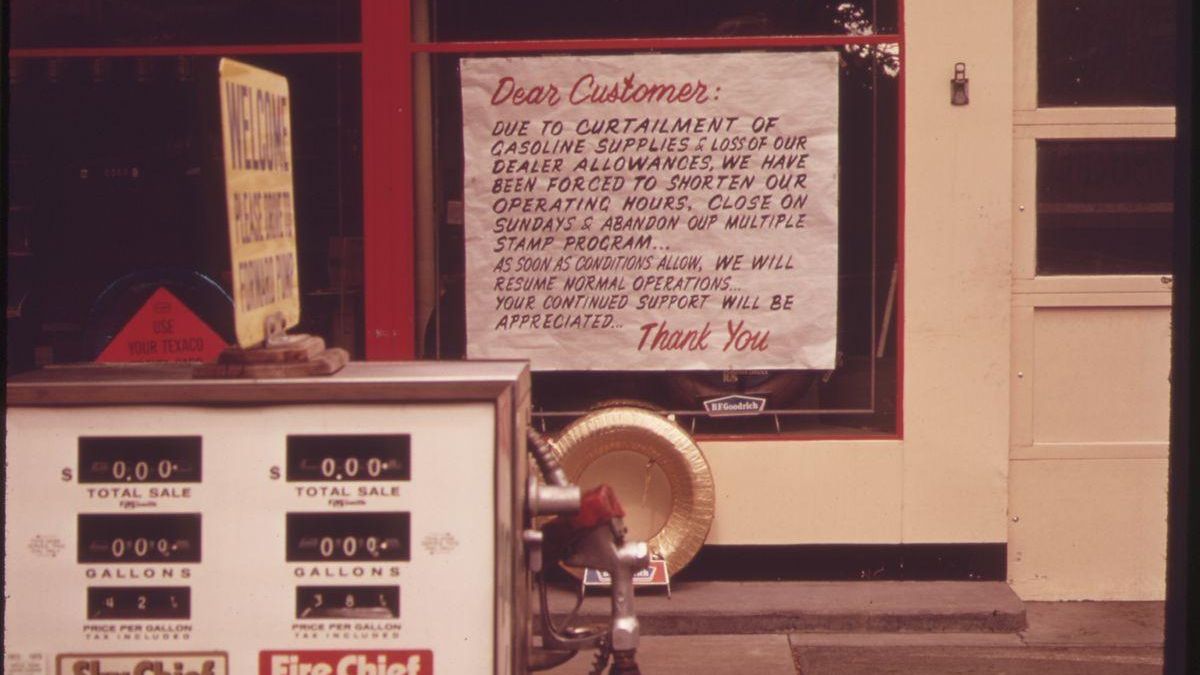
[[327, 362], [296, 348]]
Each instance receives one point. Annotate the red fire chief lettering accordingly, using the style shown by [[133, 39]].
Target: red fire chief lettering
[[365, 662]]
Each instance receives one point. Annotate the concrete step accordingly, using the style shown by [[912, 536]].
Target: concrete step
[[750, 607], [1080, 638]]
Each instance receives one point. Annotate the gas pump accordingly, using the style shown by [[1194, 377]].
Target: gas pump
[[383, 519]]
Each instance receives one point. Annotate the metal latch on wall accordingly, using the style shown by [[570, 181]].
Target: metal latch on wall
[[958, 85]]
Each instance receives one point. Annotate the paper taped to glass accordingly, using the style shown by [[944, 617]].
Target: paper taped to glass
[[652, 211]]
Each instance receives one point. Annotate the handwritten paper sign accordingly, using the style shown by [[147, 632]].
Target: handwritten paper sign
[[256, 131], [653, 211]]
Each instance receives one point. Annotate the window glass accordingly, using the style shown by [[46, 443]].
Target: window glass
[[124, 23], [553, 19], [1106, 52], [1104, 207], [857, 395], [116, 187]]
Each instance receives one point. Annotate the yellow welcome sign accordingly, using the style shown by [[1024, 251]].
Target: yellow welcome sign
[[256, 133]]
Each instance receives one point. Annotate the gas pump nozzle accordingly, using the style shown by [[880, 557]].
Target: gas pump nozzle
[[601, 545], [592, 535]]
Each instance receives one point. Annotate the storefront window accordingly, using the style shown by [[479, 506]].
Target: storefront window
[[116, 184], [114, 146], [852, 393]]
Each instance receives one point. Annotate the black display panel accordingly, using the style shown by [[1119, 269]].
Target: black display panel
[[348, 457], [108, 538], [347, 602], [139, 459], [347, 537], [138, 603]]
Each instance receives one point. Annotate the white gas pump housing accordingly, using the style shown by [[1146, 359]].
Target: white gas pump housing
[[368, 519]]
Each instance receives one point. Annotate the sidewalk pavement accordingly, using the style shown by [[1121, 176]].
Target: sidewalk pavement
[[756, 607], [1092, 638], [1071, 638]]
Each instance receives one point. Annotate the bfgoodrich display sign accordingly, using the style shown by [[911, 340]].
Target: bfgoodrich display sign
[[643, 212]]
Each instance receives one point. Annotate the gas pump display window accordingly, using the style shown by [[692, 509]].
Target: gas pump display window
[[348, 458], [139, 459], [138, 603], [348, 537], [347, 602], [165, 538]]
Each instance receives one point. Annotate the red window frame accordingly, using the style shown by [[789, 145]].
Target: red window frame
[[388, 180], [387, 49]]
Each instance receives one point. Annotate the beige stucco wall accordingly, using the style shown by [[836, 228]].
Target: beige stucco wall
[[945, 481], [1034, 407]]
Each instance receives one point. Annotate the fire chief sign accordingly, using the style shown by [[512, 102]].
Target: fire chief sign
[[652, 211], [329, 662], [256, 132]]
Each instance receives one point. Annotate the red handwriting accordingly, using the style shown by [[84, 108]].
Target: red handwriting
[[679, 339], [589, 90], [742, 339], [507, 90], [628, 90]]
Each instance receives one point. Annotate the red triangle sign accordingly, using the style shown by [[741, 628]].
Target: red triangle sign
[[164, 329]]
